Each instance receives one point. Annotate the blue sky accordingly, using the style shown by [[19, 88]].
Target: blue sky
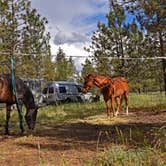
[[72, 16]]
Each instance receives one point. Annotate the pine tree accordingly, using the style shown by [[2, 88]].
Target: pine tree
[[136, 39], [5, 64], [63, 70], [151, 16], [71, 69], [87, 68], [110, 41], [154, 21], [23, 32], [35, 42], [48, 69]]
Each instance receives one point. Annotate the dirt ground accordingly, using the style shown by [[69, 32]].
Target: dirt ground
[[73, 143]]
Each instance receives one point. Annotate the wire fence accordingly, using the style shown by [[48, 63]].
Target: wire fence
[[84, 56]]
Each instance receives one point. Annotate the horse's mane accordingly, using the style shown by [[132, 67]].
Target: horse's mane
[[91, 75], [95, 75], [28, 98]]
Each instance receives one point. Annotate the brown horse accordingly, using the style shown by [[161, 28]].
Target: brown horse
[[24, 96], [116, 88]]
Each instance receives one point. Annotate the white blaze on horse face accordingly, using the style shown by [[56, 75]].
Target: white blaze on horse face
[[127, 110]]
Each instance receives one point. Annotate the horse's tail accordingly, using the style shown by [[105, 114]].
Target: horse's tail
[[1, 81]]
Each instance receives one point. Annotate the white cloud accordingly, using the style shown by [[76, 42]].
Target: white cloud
[[75, 50], [73, 37], [71, 23]]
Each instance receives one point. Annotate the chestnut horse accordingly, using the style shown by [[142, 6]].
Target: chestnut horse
[[116, 88], [24, 96]]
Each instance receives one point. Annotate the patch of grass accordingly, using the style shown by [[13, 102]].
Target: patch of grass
[[147, 100], [132, 149], [160, 138], [121, 156], [72, 111], [66, 112]]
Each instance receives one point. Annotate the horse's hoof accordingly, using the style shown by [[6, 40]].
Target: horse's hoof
[[22, 131], [108, 116], [6, 133]]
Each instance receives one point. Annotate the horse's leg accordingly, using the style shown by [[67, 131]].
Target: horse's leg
[[112, 104], [19, 108], [118, 105], [121, 100], [8, 109], [107, 106], [126, 98]]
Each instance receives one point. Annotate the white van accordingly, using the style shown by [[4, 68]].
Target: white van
[[56, 92]]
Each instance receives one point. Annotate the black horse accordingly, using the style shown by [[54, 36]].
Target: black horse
[[24, 96]]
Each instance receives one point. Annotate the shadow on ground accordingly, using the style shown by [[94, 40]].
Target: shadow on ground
[[138, 131]]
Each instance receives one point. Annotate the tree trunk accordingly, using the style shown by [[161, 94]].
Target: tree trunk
[[164, 73], [163, 60]]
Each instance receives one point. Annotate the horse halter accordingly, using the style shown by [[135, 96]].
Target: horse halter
[[87, 87]]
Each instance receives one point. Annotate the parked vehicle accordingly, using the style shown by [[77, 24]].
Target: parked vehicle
[[56, 92], [36, 86], [88, 97]]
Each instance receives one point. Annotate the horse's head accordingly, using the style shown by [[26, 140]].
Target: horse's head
[[88, 83], [30, 117]]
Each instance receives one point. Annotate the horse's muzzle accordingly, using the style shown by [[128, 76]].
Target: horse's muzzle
[[31, 127], [84, 90]]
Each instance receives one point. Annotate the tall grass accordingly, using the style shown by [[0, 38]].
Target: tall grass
[[149, 100], [124, 151], [120, 156]]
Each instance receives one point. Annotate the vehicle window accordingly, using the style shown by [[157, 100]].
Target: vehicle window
[[79, 87], [51, 90], [62, 89], [45, 91], [73, 89]]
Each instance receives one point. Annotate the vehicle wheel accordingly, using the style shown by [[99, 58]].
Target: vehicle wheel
[[90, 99], [56, 103], [78, 99], [67, 100]]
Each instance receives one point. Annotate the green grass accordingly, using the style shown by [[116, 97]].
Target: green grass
[[147, 100], [127, 151], [65, 112], [121, 156], [71, 111]]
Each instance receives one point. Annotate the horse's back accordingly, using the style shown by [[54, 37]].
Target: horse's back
[[121, 84], [6, 95], [6, 88]]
